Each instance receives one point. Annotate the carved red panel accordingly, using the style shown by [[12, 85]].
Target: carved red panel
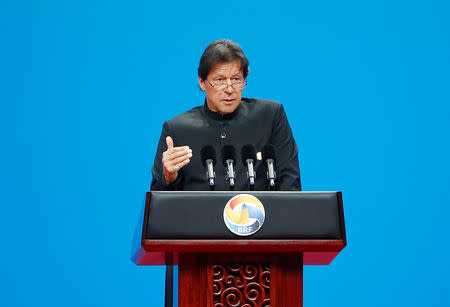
[[243, 285]]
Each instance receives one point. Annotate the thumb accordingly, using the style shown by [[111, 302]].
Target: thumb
[[169, 142]]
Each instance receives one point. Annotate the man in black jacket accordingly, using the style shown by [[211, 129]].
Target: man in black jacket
[[225, 119]]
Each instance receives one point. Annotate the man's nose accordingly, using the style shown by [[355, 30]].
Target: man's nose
[[229, 89]]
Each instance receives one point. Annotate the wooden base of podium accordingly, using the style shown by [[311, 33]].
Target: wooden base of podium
[[247, 280]]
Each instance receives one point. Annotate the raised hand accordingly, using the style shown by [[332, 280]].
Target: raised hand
[[173, 159]]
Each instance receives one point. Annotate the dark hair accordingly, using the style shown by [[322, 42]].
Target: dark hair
[[221, 51]]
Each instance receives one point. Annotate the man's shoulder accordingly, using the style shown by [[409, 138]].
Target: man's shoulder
[[261, 104], [190, 116], [194, 112]]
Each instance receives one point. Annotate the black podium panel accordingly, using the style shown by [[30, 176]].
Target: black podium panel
[[288, 215]]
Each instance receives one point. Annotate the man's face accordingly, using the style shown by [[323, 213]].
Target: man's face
[[227, 100]]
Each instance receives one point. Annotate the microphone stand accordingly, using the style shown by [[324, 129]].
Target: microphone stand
[[251, 174], [230, 174], [271, 174]]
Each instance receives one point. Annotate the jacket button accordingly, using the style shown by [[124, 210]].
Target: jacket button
[[223, 135]]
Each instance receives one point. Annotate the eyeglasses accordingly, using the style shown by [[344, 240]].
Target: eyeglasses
[[222, 84]]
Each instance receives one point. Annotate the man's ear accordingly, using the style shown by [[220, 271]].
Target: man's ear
[[201, 83]]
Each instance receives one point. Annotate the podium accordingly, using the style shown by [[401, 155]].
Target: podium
[[219, 268]]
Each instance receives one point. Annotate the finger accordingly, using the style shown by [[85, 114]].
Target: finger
[[177, 149], [180, 148], [183, 163], [169, 142], [170, 162], [180, 159], [178, 152]]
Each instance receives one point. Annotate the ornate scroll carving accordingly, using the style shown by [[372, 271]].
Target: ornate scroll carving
[[241, 285]]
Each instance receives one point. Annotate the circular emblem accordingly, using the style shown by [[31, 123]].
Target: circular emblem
[[244, 214]]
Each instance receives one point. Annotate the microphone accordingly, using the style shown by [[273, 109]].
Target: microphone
[[228, 160], [208, 155], [248, 155], [269, 155]]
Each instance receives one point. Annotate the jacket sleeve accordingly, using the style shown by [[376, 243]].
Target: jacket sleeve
[[158, 181], [286, 164]]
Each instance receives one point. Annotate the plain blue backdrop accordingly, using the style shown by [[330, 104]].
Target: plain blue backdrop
[[85, 87]]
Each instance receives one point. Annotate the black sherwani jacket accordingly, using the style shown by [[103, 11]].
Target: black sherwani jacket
[[255, 121]]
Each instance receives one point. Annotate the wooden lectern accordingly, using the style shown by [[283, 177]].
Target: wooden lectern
[[218, 268]]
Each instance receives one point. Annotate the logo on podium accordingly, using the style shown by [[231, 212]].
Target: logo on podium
[[244, 214]]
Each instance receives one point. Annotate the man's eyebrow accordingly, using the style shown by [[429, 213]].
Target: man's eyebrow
[[223, 76]]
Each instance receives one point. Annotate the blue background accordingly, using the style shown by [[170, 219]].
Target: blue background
[[86, 85]]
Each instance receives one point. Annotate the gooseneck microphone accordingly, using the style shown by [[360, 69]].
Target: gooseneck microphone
[[208, 155], [248, 155], [269, 155], [229, 160]]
